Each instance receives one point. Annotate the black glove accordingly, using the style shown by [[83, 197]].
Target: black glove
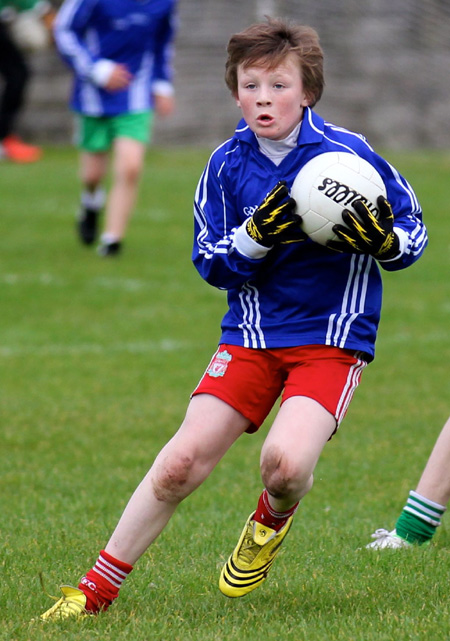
[[365, 233], [275, 221]]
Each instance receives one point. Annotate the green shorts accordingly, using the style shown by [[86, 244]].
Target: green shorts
[[96, 134]]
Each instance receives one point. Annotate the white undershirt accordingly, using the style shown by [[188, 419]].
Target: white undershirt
[[277, 150]]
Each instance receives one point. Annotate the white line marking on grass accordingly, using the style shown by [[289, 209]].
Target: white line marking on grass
[[156, 215], [40, 279], [143, 347], [126, 284], [439, 336]]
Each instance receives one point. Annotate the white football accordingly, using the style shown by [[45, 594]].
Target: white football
[[330, 183]]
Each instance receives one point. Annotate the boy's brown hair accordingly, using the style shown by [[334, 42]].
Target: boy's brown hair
[[268, 43]]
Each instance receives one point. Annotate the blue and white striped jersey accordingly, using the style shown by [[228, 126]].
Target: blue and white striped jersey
[[301, 293], [136, 33]]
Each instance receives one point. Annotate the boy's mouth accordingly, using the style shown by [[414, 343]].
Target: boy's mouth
[[265, 119]]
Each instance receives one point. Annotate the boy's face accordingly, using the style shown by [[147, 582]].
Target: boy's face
[[272, 100]]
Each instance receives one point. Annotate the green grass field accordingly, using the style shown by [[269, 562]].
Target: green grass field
[[98, 358]]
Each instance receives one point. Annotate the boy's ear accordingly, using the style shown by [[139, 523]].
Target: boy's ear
[[306, 101]]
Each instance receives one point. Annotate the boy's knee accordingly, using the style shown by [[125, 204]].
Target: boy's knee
[[282, 477], [129, 173], [171, 480], [133, 173]]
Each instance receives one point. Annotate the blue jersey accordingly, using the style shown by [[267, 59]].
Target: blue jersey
[[136, 33], [300, 293]]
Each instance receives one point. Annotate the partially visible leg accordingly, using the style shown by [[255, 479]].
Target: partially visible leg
[[426, 505], [435, 480]]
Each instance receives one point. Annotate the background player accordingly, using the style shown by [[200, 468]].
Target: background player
[[16, 73], [302, 318], [120, 53]]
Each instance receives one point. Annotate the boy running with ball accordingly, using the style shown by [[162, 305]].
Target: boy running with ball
[[301, 322]]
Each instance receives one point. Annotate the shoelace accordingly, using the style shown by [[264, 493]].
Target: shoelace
[[249, 549], [44, 589], [384, 538], [381, 533], [68, 605]]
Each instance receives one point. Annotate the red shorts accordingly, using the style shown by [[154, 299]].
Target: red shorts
[[251, 380]]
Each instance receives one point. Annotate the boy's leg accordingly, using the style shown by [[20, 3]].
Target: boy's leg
[[292, 449], [15, 76], [288, 458], [207, 432], [93, 168], [210, 427], [130, 134], [320, 384], [128, 160]]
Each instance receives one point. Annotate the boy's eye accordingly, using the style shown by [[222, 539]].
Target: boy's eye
[[278, 85], [250, 85]]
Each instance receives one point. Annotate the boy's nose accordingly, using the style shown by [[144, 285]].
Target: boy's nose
[[264, 100]]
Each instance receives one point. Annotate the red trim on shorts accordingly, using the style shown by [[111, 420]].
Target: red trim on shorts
[[251, 380]]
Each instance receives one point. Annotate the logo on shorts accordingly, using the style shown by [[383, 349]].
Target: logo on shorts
[[219, 365]]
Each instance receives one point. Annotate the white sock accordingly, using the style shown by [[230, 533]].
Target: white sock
[[109, 239], [93, 199]]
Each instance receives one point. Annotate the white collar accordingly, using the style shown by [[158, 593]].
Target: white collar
[[277, 150]]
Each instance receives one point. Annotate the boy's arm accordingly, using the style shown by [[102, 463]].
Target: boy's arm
[[228, 248], [408, 224], [215, 225], [162, 67], [69, 28]]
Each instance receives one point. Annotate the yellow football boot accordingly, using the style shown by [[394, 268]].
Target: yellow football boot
[[252, 558], [71, 604]]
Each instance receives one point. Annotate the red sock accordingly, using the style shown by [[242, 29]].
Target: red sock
[[266, 515], [101, 584]]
